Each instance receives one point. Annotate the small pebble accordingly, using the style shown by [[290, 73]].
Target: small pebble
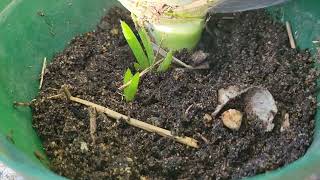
[[285, 124], [129, 159], [83, 146], [232, 119], [199, 57], [156, 121], [207, 118], [114, 31]]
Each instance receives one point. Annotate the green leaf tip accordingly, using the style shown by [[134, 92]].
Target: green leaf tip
[[127, 76], [135, 45], [131, 90], [147, 45]]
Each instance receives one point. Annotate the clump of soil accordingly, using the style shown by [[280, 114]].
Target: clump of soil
[[249, 49]]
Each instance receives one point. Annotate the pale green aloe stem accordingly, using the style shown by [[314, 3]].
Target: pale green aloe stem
[[178, 22]]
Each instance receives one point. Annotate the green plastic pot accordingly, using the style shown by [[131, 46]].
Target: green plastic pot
[[34, 29]]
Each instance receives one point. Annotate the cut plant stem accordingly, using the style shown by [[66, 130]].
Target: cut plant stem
[[163, 53], [43, 71], [290, 35], [133, 122]]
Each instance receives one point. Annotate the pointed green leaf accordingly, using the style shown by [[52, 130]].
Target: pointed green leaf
[[134, 45], [165, 65], [131, 90], [147, 45], [127, 76]]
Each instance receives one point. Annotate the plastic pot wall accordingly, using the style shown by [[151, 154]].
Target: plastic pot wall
[[34, 29]]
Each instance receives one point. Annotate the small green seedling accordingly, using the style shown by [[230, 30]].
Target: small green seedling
[[131, 90], [143, 61], [166, 63], [145, 57]]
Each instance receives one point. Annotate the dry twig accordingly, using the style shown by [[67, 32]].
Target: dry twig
[[164, 53], [188, 109], [290, 35], [203, 138], [93, 123], [133, 122], [43, 72], [15, 103]]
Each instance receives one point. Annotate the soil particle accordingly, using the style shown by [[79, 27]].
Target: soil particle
[[249, 49], [232, 119]]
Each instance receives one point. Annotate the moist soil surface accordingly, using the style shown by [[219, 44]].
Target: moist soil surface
[[244, 49]]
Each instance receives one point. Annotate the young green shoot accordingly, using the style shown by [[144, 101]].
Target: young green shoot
[[166, 63], [131, 90], [146, 60]]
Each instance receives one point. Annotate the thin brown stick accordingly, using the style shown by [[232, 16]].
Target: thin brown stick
[[175, 60], [15, 103], [55, 96], [93, 123], [188, 109], [203, 138], [227, 18], [290, 35], [21, 103], [26, 104], [66, 92], [43, 72], [39, 155], [133, 122]]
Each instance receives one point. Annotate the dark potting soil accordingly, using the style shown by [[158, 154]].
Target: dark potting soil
[[248, 49]]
